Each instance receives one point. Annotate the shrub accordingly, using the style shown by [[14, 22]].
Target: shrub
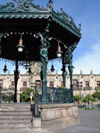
[[25, 95]]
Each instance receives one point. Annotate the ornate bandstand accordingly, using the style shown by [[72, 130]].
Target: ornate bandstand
[[31, 33]]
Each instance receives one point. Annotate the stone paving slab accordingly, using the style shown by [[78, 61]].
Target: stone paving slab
[[89, 123]]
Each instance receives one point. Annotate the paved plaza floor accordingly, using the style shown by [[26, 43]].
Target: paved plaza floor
[[89, 123]]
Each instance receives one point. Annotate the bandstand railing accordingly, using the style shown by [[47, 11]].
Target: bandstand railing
[[54, 96]]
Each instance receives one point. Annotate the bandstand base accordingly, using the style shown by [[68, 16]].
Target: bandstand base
[[58, 116]]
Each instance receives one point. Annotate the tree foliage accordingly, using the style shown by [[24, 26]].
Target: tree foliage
[[61, 87], [25, 95], [87, 98], [77, 97], [96, 94]]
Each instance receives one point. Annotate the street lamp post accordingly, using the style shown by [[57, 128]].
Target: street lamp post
[[0, 96], [89, 96], [80, 85], [9, 92]]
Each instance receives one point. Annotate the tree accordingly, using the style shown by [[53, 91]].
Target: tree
[[85, 99], [25, 95], [77, 97], [93, 99], [96, 94]]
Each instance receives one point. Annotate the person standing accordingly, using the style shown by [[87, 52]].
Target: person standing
[[31, 96]]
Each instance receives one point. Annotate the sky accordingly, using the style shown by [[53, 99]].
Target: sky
[[86, 56]]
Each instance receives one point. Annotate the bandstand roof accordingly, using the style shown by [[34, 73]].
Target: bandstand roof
[[28, 19]]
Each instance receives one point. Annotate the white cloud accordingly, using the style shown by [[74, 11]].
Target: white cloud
[[90, 61], [96, 47]]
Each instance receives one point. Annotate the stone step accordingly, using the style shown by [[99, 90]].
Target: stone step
[[15, 118], [15, 121], [18, 115], [15, 104], [14, 112], [11, 109], [16, 124], [23, 130], [14, 108]]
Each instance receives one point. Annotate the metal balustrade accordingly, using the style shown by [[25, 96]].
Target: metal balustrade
[[54, 95]]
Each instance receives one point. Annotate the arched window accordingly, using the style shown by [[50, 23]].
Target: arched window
[[12, 85], [75, 84], [51, 84], [1, 83], [62, 84], [24, 85], [98, 84], [87, 84]]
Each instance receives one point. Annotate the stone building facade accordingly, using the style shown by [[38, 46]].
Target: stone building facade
[[83, 84]]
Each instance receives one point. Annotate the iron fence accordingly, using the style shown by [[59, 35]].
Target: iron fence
[[6, 95], [54, 95]]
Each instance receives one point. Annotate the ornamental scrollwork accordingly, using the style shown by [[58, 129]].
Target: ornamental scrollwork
[[22, 5], [67, 18]]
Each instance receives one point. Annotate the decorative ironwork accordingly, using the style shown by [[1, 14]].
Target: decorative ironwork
[[64, 71], [29, 71], [70, 67], [52, 68], [50, 4], [5, 69], [22, 5], [54, 95], [27, 9], [44, 60], [59, 95], [35, 12]]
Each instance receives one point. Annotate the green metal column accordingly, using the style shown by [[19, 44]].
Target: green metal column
[[0, 42], [0, 96], [44, 81], [64, 71], [70, 67], [44, 60], [0, 54], [16, 80]]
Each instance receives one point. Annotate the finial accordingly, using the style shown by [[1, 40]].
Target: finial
[[80, 72], [79, 26], [50, 3], [91, 72]]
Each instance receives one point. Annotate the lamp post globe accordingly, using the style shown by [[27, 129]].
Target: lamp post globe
[[20, 46], [59, 52], [58, 55], [20, 49]]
